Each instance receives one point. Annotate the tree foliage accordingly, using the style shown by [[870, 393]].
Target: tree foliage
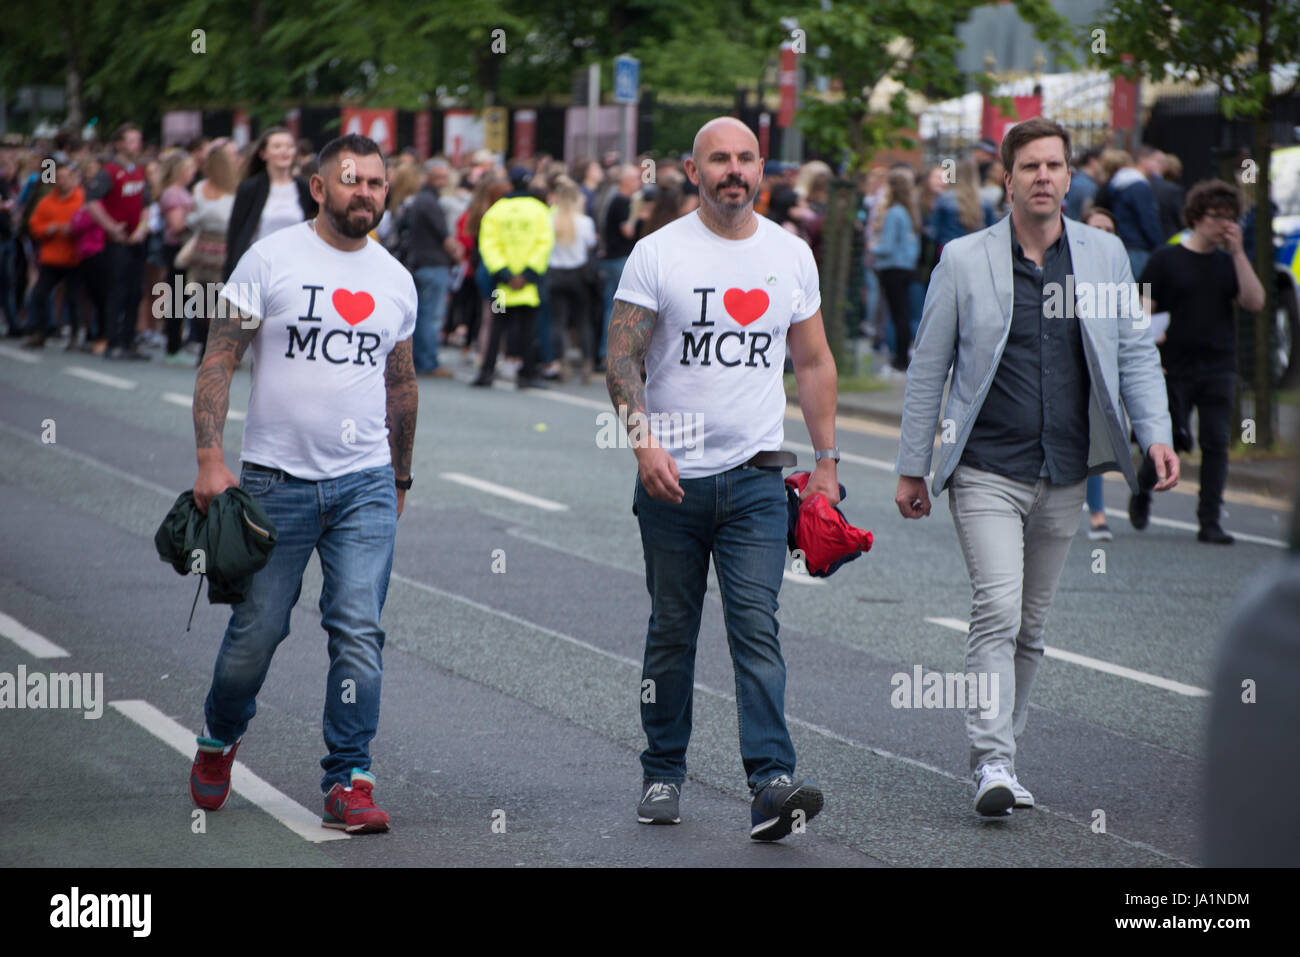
[[1235, 47]]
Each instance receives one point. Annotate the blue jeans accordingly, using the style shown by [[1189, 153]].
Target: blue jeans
[[611, 271], [432, 284], [1137, 259], [738, 517], [1096, 500], [352, 523]]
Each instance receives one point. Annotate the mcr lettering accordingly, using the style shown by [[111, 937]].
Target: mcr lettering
[[732, 347], [353, 308]]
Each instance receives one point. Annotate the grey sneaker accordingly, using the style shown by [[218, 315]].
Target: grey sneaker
[[660, 805], [779, 804]]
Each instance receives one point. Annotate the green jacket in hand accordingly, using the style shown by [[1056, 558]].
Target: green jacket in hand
[[229, 544]]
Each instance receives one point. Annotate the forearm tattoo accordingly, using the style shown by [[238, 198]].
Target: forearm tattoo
[[630, 328], [403, 402], [227, 340]]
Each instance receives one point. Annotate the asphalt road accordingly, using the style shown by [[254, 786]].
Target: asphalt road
[[509, 733]]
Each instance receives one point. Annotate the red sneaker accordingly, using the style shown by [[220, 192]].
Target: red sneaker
[[210, 776], [352, 809]]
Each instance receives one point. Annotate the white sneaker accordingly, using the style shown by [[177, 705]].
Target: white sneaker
[[1023, 798], [995, 796]]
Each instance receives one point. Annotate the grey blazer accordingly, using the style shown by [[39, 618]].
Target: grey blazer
[[965, 326]]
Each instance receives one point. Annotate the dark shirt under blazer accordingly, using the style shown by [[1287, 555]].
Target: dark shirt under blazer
[[1034, 421]]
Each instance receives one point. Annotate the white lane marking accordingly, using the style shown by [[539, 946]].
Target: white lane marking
[[102, 378], [91, 460], [18, 354], [242, 781], [38, 646], [1190, 527], [176, 398], [1095, 664], [493, 489]]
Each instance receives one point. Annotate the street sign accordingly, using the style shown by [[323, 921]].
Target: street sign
[[627, 79]]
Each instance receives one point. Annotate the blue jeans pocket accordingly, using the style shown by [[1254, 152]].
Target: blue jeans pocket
[[257, 481]]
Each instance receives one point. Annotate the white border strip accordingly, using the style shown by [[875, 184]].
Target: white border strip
[[38, 646], [243, 781], [1096, 664]]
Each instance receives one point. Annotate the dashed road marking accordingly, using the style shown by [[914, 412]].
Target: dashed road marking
[[101, 378], [502, 491], [38, 646]]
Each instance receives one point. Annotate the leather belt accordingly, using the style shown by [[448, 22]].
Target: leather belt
[[770, 460]]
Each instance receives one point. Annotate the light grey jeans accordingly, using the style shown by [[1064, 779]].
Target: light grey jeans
[[1014, 537]]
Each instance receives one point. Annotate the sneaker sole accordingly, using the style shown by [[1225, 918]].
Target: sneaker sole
[[657, 820], [995, 802], [1023, 804], [369, 828], [808, 800]]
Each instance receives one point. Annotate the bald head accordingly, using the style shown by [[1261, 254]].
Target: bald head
[[723, 130]]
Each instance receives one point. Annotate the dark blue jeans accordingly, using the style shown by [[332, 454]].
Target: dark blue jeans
[[352, 523], [738, 517], [431, 286]]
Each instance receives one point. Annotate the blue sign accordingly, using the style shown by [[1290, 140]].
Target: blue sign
[[627, 79]]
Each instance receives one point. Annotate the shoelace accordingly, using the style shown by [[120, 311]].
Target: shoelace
[[360, 798], [659, 792]]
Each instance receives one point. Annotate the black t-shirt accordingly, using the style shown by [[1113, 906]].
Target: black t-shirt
[[1197, 290], [617, 246]]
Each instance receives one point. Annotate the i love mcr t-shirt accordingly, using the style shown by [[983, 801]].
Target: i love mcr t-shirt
[[329, 318], [714, 392]]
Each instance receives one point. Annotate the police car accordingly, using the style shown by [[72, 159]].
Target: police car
[[1284, 174]]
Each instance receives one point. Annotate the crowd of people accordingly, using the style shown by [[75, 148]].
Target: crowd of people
[[91, 231]]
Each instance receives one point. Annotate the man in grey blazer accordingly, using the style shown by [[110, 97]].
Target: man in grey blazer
[[1041, 324]]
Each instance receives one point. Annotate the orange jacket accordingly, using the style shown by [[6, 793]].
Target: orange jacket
[[55, 210]]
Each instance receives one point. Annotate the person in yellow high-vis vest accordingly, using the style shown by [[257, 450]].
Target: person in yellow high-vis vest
[[515, 240]]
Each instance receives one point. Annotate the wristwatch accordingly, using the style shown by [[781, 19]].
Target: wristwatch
[[403, 484], [833, 454]]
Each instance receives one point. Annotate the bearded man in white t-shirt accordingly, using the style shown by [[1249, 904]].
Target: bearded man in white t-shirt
[[326, 452], [710, 303]]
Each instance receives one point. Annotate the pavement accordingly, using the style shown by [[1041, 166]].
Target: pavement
[[515, 624]]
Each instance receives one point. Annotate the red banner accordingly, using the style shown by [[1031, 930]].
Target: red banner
[[525, 133], [789, 77], [423, 134], [378, 125], [995, 123], [1123, 101]]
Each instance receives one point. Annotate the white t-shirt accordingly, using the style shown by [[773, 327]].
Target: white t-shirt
[[282, 210], [714, 391], [575, 253], [329, 319]]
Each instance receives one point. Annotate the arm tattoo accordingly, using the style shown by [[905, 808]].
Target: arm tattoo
[[630, 328], [227, 340], [403, 400]]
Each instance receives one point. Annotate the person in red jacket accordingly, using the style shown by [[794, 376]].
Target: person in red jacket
[[117, 199], [51, 225]]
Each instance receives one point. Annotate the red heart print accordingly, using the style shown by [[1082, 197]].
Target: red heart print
[[745, 306], [352, 306]]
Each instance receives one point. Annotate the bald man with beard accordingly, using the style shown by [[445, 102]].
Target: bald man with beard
[[709, 304]]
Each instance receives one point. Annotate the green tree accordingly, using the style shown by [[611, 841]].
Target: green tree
[[912, 42], [1236, 47]]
